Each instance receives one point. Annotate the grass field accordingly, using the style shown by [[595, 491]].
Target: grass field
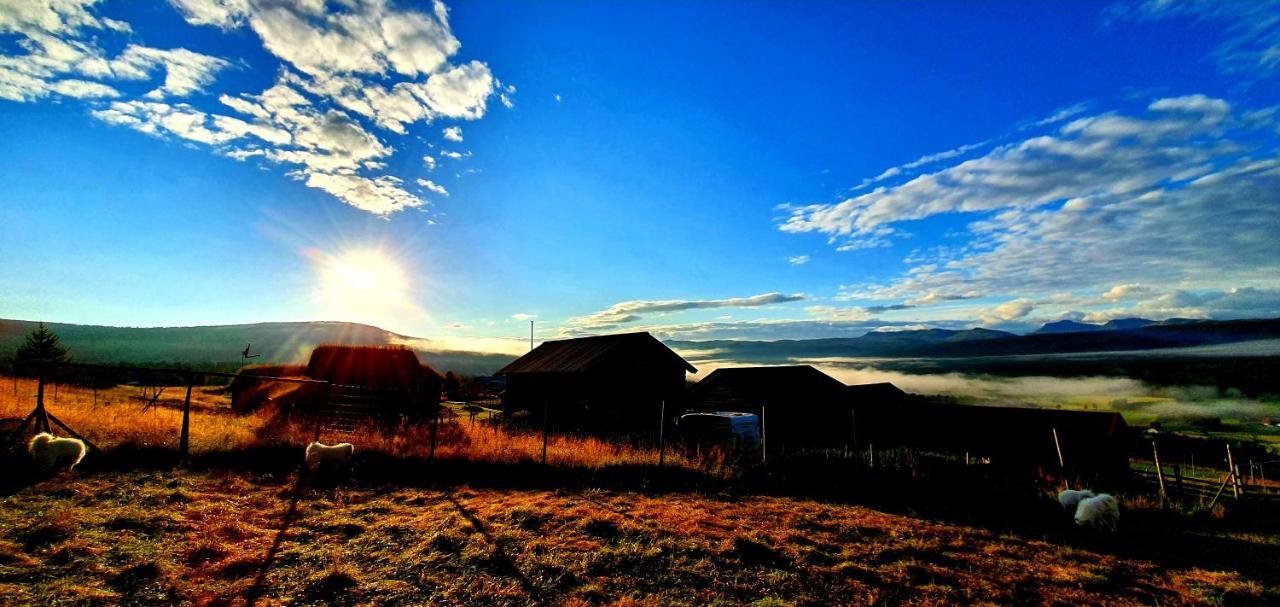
[[484, 524], [223, 538], [127, 417]]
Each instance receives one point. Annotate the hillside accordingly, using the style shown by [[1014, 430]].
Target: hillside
[[219, 347]]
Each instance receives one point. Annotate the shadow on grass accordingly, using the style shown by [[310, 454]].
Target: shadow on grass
[[973, 497]]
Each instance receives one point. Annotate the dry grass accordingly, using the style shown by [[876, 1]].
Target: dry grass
[[216, 538], [120, 416]]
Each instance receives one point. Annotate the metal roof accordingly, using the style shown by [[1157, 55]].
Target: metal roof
[[581, 354]]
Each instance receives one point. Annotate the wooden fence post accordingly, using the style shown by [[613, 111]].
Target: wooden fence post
[[546, 415], [435, 428], [42, 418], [184, 440], [1159, 472], [1231, 469], [662, 433], [1057, 446], [764, 438]]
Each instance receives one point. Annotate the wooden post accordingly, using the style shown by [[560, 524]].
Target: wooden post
[[435, 427], [1231, 469], [42, 418], [871, 455], [1062, 465], [1177, 477], [853, 427], [546, 413], [184, 441], [662, 433], [1159, 472], [764, 438]]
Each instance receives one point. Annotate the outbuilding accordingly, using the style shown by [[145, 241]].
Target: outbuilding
[[601, 382]]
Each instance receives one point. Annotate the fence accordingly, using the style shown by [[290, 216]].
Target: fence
[[1202, 483]]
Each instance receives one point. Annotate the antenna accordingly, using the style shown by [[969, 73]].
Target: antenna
[[531, 336], [245, 353]]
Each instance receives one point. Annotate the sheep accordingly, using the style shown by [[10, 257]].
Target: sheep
[[1100, 512], [329, 457], [1070, 498], [51, 453]]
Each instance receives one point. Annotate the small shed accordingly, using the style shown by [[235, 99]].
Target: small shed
[[800, 406], [391, 378], [598, 382]]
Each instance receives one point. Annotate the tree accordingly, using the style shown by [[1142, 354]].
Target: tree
[[452, 387], [42, 348]]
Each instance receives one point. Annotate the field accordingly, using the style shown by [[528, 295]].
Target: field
[[219, 537], [485, 523]]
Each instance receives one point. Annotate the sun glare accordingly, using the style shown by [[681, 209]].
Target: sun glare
[[363, 286]]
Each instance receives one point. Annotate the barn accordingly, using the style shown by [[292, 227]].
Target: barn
[[802, 406], [1091, 442], [600, 382]]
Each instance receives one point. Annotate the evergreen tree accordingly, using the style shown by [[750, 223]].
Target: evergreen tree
[[42, 348], [452, 387]]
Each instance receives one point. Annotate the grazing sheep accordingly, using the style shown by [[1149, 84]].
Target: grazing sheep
[[1071, 498], [51, 453], [1100, 512], [329, 457]]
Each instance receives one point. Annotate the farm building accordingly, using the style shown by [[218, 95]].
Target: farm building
[[376, 380], [1091, 442], [606, 381], [802, 405]]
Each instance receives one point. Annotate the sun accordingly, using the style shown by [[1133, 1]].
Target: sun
[[362, 285]]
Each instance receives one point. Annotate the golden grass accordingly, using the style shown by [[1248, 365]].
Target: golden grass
[[216, 538], [120, 416]]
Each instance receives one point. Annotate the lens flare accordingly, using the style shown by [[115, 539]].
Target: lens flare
[[366, 286]]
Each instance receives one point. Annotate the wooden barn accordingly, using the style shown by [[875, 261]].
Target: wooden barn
[[1092, 443], [803, 407], [605, 382]]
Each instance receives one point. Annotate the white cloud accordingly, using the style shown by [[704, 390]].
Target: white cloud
[[455, 155], [1251, 38], [523, 316], [798, 260], [1183, 194], [1010, 310], [632, 311], [186, 72], [1126, 291], [433, 187], [430, 162], [453, 133]]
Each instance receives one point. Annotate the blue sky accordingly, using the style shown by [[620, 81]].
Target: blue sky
[[701, 170]]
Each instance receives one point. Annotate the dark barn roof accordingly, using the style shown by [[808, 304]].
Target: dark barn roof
[[378, 367], [585, 354], [774, 385], [878, 392]]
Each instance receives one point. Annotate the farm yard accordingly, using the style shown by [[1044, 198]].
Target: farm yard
[[485, 523], [238, 538]]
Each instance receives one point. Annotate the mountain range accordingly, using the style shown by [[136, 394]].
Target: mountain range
[[220, 347]]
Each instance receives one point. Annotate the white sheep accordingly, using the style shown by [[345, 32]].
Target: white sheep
[[1100, 512], [1071, 498], [51, 453], [332, 457]]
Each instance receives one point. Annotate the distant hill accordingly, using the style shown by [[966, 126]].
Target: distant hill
[[983, 342], [1119, 324], [218, 347], [1066, 326]]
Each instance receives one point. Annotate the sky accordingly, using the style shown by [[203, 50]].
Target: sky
[[700, 170]]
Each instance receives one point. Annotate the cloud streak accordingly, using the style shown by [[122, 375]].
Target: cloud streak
[[632, 311]]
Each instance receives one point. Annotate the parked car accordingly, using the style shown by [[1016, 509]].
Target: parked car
[[720, 427]]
